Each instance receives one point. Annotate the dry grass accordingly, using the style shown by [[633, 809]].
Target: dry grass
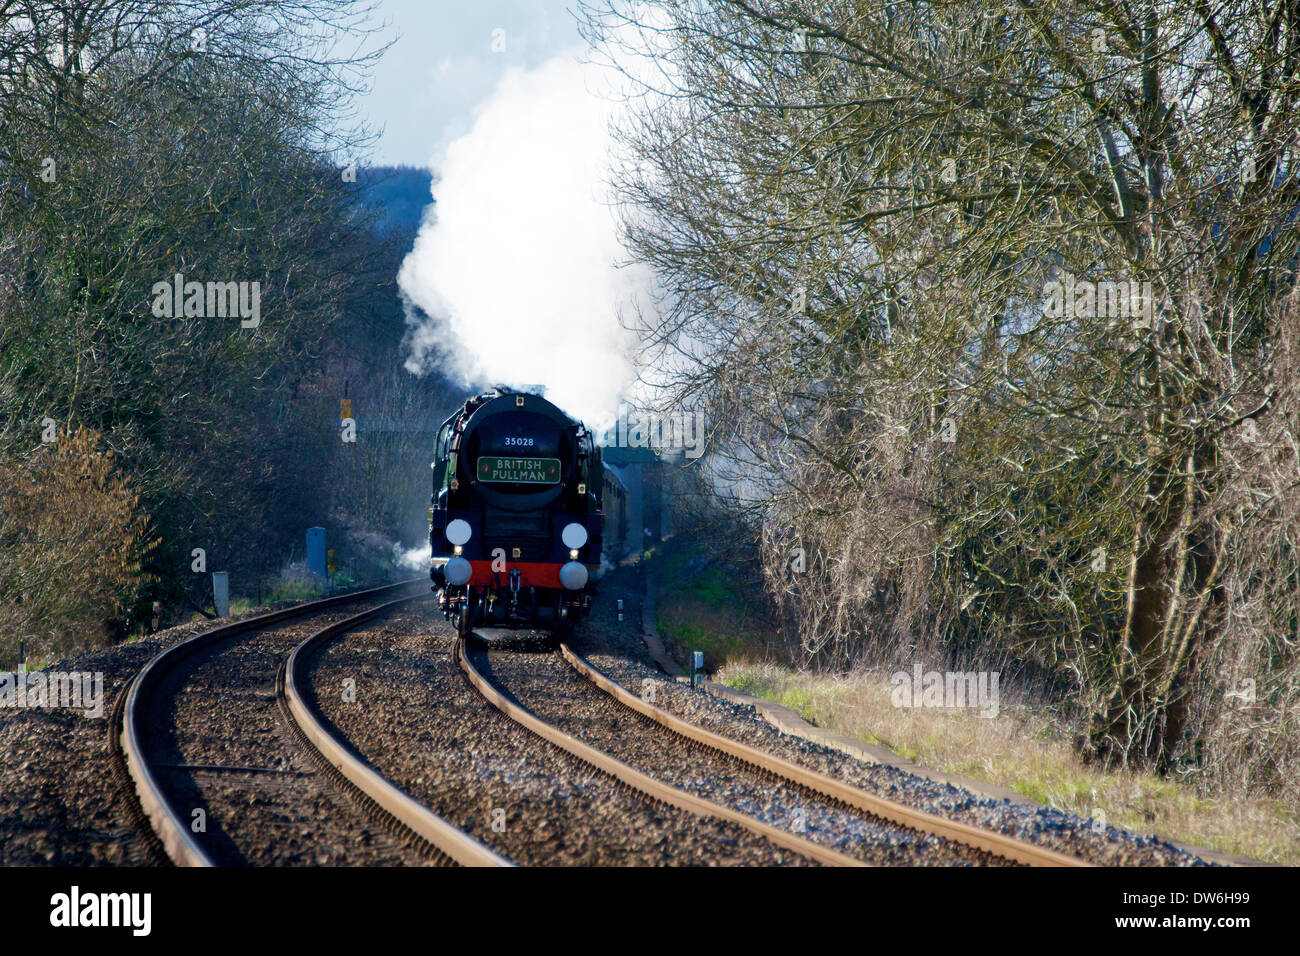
[[1027, 749]]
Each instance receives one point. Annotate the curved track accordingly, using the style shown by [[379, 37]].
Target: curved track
[[171, 688], [668, 759], [383, 797], [219, 682]]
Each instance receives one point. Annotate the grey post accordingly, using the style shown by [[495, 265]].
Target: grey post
[[221, 593]]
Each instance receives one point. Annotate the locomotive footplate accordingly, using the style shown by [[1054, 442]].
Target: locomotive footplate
[[504, 606]]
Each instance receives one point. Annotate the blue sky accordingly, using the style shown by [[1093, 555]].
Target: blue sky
[[443, 65]]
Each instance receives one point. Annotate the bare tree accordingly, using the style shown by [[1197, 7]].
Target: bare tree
[[900, 242]]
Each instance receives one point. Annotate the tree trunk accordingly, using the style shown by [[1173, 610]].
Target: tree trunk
[[1173, 576], [1122, 729]]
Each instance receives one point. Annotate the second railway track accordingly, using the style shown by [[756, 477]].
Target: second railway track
[[642, 783], [565, 699]]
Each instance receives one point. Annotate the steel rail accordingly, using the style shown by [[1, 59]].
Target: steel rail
[[409, 813], [999, 844], [149, 801], [649, 786]]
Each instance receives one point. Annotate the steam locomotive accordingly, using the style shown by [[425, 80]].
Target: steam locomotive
[[516, 523]]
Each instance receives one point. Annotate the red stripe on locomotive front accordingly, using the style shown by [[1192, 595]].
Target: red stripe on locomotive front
[[533, 574]]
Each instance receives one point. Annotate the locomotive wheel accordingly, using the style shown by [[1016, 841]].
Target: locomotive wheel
[[562, 629], [463, 625]]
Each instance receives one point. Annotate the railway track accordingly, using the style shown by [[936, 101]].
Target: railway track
[[420, 723], [640, 782], [197, 749], [624, 730], [1000, 845], [246, 687]]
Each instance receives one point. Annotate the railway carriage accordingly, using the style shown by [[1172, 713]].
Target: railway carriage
[[516, 525]]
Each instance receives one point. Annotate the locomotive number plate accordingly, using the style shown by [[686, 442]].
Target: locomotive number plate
[[539, 471]]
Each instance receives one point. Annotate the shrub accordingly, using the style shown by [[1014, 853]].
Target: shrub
[[72, 543]]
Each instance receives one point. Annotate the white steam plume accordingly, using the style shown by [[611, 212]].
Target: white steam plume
[[417, 558], [516, 268]]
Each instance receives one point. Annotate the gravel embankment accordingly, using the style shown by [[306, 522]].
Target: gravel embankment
[[59, 805], [420, 723], [616, 649]]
